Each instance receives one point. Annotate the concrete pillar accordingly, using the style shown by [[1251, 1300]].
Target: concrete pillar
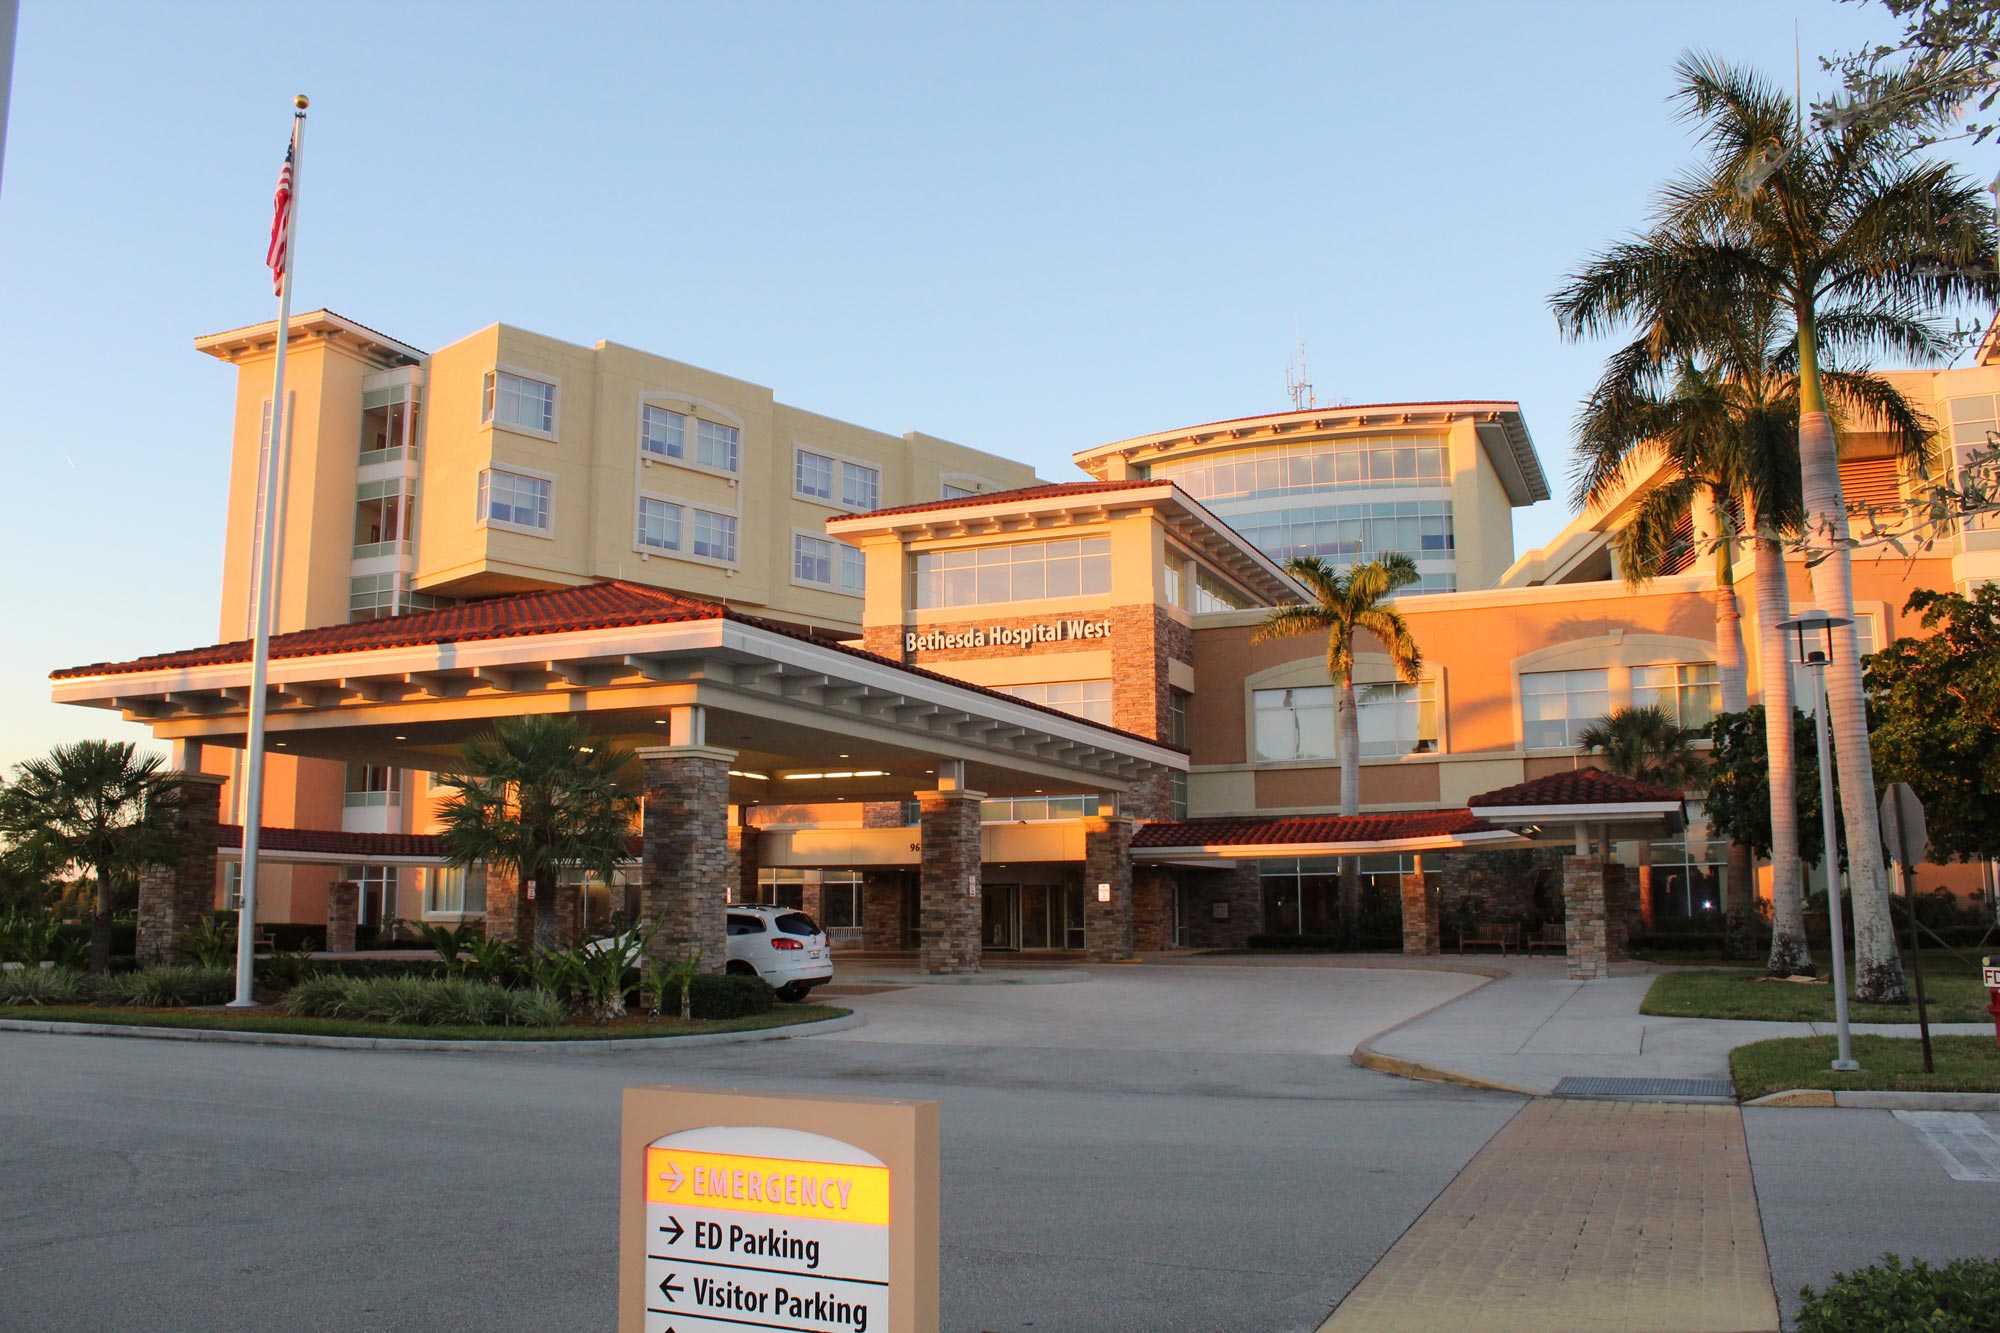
[[1617, 913], [1642, 893], [686, 862], [175, 896], [509, 914], [1152, 908], [1584, 912], [1107, 888], [950, 917], [1420, 914], [343, 911]]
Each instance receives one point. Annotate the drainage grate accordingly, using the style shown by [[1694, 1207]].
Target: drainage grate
[[1644, 1087]]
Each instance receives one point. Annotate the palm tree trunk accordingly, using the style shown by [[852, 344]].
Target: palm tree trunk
[[100, 925], [1789, 953], [1878, 968], [1349, 724], [545, 913]]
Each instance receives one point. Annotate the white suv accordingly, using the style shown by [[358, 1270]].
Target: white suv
[[783, 946]]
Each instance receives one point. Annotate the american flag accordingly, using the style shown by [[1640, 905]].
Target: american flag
[[281, 218]]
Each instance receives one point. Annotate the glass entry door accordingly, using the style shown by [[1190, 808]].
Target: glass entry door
[[998, 909]]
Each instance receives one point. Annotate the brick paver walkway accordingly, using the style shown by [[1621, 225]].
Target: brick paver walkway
[[1590, 1217]]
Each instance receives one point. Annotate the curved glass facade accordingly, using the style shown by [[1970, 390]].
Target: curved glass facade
[[1318, 497]]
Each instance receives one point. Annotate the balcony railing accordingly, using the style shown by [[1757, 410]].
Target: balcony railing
[[363, 550]]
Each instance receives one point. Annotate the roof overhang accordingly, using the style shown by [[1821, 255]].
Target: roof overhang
[[262, 339], [1488, 839], [1185, 517], [1632, 816]]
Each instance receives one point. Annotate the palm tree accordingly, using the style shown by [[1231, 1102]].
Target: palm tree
[[95, 806], [1346, 604], [1713, 427], [534, 797], [1859, 241], [1647, 743]]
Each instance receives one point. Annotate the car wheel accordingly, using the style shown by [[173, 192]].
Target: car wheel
[[793, 991]]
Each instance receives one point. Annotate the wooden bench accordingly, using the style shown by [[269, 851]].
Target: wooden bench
[[1503, 934], [1550, 937]]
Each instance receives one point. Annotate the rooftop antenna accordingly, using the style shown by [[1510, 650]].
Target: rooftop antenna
[[1298, 381]]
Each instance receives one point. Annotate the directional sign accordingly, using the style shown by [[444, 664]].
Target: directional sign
[[1904, 837], [773, 1212]]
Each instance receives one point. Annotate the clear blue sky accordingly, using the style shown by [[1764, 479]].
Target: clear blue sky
[[1030, 228]]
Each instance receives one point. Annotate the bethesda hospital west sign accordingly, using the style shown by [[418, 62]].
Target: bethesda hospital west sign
[[1005, 636]]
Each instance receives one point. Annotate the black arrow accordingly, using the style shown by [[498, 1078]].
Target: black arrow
[[678, 1230], [667, 1289]]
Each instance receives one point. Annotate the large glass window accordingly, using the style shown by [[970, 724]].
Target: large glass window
[[1024, 809], [659, 524], [1556, 706], [1688, 692], [455, 889], [662, 433], [1081, 698], [378, 886], [379, 519], [388, 423], [1211, 594], [516, 400], [860, 487], [515, 498], [812, 474], [1352, 533], [1177, 726], [373, 784], [1294, 723], [373, 596], [1358, 462], [715, 535], [715, 445], [1396, 718], [828, 564], [1021, 572]]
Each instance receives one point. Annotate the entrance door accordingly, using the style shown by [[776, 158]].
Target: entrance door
[[999, 911]]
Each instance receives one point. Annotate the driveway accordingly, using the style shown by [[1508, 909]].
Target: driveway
[[1151, 1149]]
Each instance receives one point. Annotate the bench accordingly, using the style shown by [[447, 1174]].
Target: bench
[[1550, 937], [1503, 934]]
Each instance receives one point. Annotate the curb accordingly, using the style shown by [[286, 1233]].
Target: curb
[[1048, 978], [1881, 1101], [609, 1046], [1367, 1057]]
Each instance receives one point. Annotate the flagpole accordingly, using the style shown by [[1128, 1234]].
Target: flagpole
[[266, 573]]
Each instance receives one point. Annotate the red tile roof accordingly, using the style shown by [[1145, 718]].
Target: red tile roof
[[1251, 832], [333, 842], [1583, 786], [1052, 491], [612, 604]]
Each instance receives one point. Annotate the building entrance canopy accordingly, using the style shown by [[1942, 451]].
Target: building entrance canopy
[[807, 718]]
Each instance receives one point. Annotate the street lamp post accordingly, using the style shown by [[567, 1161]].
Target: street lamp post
[[1812, 631]]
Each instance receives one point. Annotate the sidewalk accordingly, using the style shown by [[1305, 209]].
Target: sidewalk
[[1532, 1027]]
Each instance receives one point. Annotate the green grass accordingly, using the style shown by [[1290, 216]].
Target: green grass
[[784, 1016], [1952, 986], [1888, 1064]]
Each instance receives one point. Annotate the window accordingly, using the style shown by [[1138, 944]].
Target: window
[[1557, 705], [373, 784], [826, 564], [1293, 724], [1089, 699], [840, 899], [380, 519], [715, 445], [1024, 809], [812, 474], [455, 889], [516, 400], [715, 536], [1689, 693], [1211, 594], [1177, 795], [379, 888], [1354, 463], [1177, 731], [1024, 571], [373, 596], [860, 487], [662, 433], [232, 887], [515, 499], [1396, 718], [1174, 581], [951, 492], [388, 423], [659, 525]]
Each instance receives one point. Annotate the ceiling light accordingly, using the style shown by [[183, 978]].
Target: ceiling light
[[402, 738], [746, 773], [659, 722], [844, 756]]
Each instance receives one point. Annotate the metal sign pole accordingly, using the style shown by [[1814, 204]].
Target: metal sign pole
[[1844, 1059]]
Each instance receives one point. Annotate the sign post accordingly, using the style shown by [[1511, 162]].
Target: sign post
[[1906, 839], [1990, 974], [774, 1211]]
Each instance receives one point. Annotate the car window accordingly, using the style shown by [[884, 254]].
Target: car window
[[797, 923], [743, 923]]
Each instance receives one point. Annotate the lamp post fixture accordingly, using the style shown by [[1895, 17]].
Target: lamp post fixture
[[1812, 636]]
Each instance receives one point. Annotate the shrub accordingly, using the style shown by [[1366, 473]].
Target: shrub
[[1960, 1297], [124, 938], [28, 937], [44, 985], [423, 1002], [318, 997], [720, 995], [284, 969], [209, 942], [535, 1009], [168, 987]]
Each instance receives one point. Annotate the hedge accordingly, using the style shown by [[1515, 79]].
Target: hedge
[[1960, 1297], [720, 995]]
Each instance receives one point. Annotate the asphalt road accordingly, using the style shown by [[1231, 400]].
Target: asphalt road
[[1143, 1151]]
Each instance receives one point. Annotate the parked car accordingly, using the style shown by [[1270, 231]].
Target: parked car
[[782, 945]]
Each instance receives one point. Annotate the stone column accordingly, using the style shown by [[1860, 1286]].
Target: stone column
[[1617, 913], [569, 910], [175, 896], [882, 912], [1152, 908], [949, 925], [1420, 914], [687, 864], [745, 848], [343, 911], [1643, 892], [1584, 926], [509, 914], [1107, 870]]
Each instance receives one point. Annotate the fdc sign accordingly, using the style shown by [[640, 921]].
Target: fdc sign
[[778, 1212]]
